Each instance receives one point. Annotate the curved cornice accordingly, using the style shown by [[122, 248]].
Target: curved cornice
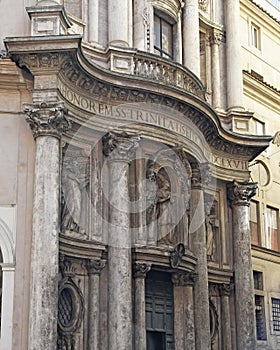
[[84, 75]]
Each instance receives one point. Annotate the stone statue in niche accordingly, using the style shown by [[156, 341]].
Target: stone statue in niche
[[211, 229], [75, 183], [168, 194], [210, 243], [164, 209]]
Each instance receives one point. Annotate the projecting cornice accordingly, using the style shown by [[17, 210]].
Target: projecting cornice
[[81, 83]]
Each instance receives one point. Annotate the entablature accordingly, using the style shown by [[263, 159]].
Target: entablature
[[154, 107]]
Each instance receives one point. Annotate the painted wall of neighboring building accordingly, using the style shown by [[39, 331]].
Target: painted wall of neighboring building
[[16, 188], [262, 96]]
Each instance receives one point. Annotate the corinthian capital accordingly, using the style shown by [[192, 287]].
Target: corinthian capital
[[140, 269], [201, 175], [120, 147], [47, 119], [240, 193], [94, 266]]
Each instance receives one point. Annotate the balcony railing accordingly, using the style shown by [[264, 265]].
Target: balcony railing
[[155, 68]]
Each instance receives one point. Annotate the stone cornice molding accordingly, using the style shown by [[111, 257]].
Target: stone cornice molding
[[120, 147], [240, 194], [140, 269], [86, 77], [47, 119]]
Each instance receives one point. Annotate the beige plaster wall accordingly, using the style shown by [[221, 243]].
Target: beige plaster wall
[[17, 150], [14, 20]]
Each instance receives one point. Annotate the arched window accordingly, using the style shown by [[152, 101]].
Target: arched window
[[7, 268]]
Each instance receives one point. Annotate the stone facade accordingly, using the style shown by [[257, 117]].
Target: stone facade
[[127, 176]]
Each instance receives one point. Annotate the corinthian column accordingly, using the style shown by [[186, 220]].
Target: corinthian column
[[233, 56], [119, 149], [94, 268], [140, 272], [216, 40], [240, 195], [198, 246], [191, 36], [47, 122]]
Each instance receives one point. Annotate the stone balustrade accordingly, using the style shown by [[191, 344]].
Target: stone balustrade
[[165, 71]]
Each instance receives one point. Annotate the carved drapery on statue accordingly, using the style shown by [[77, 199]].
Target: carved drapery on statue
[[212, 227], [75, 191], [168, 193]]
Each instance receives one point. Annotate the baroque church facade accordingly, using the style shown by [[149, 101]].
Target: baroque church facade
[[134, 136]]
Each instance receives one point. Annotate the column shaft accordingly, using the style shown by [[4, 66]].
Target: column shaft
[[93, 20], [119, 260], [119, 20], [94, 268], [44, 253], [226, 330], [233, 56], [191, 36], [240, 194], [47, 122], [119, 148], [244, 291], [198, 246], [184, 311], [140, 271], [216, 70]]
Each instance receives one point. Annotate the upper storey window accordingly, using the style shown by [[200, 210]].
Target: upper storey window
[[163, 37], [255, 36]]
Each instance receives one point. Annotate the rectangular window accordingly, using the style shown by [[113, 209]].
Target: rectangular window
[[260, 317], [163, 37], [254, 223], [258, 280], [276, 314], [255, 36], [271, 229]]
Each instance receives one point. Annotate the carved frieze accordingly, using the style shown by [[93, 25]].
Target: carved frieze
[[240, 193], [40, 61], [47, 119], [102, 91], [119, 146]]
